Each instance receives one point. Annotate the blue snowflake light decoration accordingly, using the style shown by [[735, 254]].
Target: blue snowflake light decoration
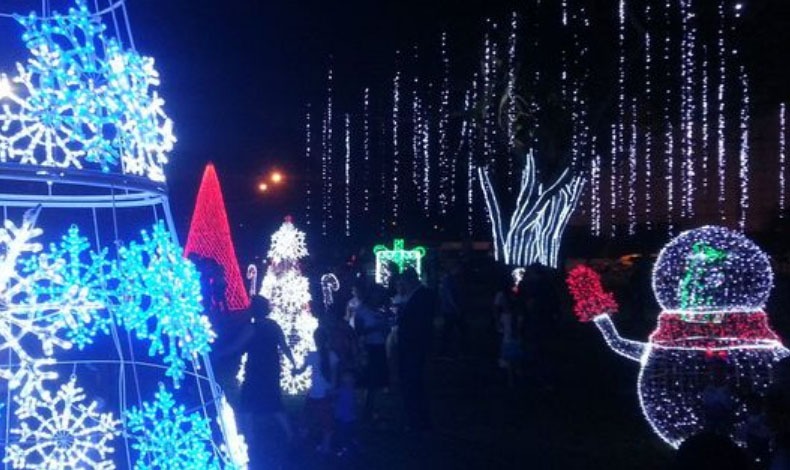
[[161, 300], [82, 101], [75, 272], [166, 437]]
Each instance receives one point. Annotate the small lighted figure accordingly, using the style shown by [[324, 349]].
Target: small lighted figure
[[397, 256], [263, 187], [713, 337]]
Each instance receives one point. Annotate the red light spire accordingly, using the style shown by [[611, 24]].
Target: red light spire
[[209, 237]]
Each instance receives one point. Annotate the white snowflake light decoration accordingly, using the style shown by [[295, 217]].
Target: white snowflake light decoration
[[166, 437], [288, 243], [38, 305], [81, 101], [62, 433], [288, 292]]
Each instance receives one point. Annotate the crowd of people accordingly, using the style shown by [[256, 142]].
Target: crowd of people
[[374, 341], [377, 340]]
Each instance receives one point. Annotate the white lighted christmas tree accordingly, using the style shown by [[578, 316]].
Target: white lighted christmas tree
[[288, 292]]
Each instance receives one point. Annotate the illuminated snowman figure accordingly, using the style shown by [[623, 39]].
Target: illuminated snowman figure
[[712, 285]]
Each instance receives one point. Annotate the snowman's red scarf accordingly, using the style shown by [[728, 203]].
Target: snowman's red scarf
[[713, 330]]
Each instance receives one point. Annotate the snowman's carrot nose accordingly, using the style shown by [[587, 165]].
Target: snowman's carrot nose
[[590, 300]]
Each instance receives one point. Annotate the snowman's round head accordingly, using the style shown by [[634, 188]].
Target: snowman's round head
[[712, 269]]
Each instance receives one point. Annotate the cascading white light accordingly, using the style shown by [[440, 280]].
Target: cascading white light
[[396, 84], [308, 152], [721, 149], [632, 171], [595, 190], [347, 177], [326, 158], [648, 208], [618, 144], [782, 159], [744, 169], [446, 171], [366, 150]]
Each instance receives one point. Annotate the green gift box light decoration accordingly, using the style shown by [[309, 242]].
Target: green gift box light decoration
[[398, 256]]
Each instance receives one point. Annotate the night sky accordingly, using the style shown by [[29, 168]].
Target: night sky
[[238, 74]]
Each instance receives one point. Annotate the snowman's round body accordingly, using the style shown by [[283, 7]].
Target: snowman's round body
[[686, 385], [713, 352]]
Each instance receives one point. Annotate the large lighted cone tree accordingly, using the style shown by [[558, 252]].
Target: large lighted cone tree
[[209, 237], [288, 292], [713, 334]]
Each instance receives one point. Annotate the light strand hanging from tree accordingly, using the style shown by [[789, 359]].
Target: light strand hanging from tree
[[347, 177], [595, 190], [446, 180], [648, 133], [669, 137], [782, 159], [632, 170], [721, 125], [308, 153], [366, 150], [744, 151], [396, 83]]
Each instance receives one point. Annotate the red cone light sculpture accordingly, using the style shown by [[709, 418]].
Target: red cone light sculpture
[[209, 237]]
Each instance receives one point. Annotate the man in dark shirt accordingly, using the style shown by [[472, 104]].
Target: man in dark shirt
[[415, 332]]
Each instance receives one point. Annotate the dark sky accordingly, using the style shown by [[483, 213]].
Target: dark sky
[[237, 76], [238, 73]]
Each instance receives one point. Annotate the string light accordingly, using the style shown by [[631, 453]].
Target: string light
[[632, 172], [744, 151], [618, 149], [782, 159], [446, 169], [669, 138], [648, 180], [721, 124], [366, 150], [395, 144], [595, 194], [712, 284], [347, 176], [308, 165], [705, 115], [416, 134], [326, 158], [425, 136], [613, 183]]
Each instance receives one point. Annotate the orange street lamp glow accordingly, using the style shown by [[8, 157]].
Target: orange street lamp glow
[[277, 177]]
